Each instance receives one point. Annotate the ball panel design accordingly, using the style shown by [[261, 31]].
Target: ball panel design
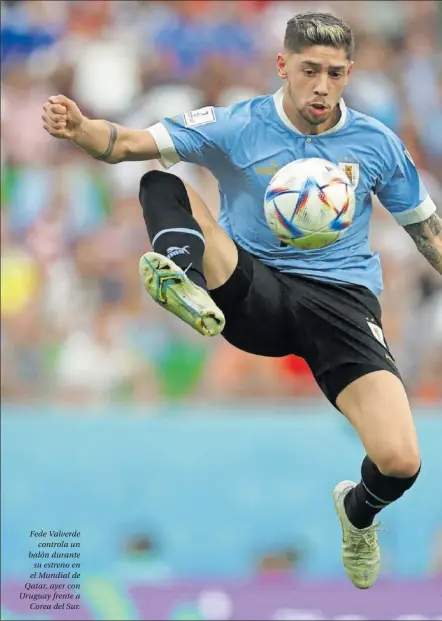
[[310, 198]]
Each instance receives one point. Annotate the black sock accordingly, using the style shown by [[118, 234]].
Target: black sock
[[373, 493], [172, 229]]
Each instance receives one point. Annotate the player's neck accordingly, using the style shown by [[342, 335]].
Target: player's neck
[[304, 126]]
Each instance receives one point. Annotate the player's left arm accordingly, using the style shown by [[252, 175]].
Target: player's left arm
[[427, 235], [400, 189]]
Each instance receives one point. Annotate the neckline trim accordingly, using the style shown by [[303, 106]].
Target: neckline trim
[[278, 98]]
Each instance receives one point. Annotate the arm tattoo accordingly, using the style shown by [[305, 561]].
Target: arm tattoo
[[428, 239], [112, 140]]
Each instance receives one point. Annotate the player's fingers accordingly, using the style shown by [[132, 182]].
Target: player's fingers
[[58, 109], [54, 121], [57, 118], [52, 115], [49, 128], [55, 131], [61, 99]]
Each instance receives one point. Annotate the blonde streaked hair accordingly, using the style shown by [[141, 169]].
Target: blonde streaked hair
[[307, 29]]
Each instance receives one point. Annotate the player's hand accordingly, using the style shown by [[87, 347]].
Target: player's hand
[[62, 117]]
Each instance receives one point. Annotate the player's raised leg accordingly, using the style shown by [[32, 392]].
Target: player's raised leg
[[376, 405], [191, 252]]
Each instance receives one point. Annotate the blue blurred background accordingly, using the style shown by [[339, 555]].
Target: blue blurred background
[[180, 458]]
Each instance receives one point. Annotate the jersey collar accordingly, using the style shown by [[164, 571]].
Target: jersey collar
[[278, 97]]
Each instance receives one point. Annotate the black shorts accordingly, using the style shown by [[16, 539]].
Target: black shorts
[[336, 328]]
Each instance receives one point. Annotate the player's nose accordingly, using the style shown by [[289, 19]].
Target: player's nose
[[321, 85]]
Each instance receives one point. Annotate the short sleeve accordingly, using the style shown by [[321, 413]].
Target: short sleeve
[[399, 187], [198, 137]]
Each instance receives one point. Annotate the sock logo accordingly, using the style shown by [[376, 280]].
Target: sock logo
[[173, 251]]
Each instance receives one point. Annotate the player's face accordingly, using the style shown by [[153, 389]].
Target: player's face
[[316, 78]]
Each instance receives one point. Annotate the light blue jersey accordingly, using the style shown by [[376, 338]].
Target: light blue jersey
[[245, 144]]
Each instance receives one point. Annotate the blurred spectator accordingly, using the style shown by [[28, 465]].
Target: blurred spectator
[[279, 563], [76, 325], [436, 560], [371, 89], [142, 560]]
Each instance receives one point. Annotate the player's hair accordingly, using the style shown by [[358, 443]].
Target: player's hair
[[307, 29]]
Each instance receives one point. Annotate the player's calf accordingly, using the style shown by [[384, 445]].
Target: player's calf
[[377, 406], [377, 490], [181, 227], [173, 273], [172, 229]]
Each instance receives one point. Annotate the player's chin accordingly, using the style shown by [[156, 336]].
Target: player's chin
[[317, 118]]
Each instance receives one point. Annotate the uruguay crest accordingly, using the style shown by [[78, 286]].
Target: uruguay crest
[[352, 171]]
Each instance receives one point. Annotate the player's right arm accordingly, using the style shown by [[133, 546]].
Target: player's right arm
[[102, 140]]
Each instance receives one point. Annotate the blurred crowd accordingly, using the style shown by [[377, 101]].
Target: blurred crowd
[[77, 327]]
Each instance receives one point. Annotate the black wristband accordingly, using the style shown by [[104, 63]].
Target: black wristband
[[110, 146]]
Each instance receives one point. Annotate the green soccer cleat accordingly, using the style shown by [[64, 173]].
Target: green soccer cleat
[[170, 287], [361, 554]]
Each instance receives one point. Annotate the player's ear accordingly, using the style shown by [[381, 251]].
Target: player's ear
[[281, 66], [351, 65]]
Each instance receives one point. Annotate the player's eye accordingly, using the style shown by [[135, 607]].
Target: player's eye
[[336, 74], [309, 72]]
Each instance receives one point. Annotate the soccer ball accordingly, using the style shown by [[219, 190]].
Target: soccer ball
[[309, 203]]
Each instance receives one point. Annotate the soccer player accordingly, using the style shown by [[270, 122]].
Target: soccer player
[[236, 278]]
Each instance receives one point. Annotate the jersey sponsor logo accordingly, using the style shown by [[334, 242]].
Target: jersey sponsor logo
[[271, 169], [351, 169], [202, 116]]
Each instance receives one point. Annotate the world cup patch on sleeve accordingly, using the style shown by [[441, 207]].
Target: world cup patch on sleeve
[[202, 116]]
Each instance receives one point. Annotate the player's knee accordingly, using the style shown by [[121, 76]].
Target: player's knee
[[150, 186], [402, 462], [157, 178], [162, 190]]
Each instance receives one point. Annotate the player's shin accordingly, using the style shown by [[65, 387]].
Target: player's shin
[[172, 229], [374, 492]]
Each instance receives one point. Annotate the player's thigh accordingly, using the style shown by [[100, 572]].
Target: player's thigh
[[377, 406], [352, 363], [221, 254], [254, 302]]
